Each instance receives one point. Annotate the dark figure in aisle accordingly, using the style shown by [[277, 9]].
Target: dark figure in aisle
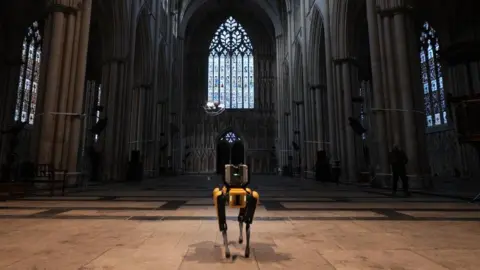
[[322, 167], [398, 161]]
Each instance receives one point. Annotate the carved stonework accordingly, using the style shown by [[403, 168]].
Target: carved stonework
[[446, 155]]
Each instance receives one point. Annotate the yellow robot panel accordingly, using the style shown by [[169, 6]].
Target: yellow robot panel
[[216, 192], [237, 198], [256, 196]]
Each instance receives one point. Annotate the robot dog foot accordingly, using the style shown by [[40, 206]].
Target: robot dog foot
[[225, 244], [240, 225]]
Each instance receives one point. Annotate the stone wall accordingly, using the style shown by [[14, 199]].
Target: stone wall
[[446, 155]]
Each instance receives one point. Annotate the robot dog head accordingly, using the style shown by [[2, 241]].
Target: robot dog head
[[236, 176]]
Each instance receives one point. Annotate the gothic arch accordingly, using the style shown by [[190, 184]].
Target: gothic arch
[[343, 25], [317, 49], [143, 49], [195, 5], [241, 135], [115, 26]]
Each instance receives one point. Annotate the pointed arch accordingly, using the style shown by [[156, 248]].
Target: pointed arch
[[29, 75], [432, 78], [231, 67], [144, 51], [317, 49]]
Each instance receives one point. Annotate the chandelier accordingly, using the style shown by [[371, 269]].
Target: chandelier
[[214, 108]]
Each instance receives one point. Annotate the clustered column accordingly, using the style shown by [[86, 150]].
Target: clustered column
[[59, 118], [394, 82], [346, 141]]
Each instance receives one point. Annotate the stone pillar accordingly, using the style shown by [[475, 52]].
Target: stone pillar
[[384, 82], [71, 90], [64, 93], [319, 118], [47, 130], [332, 132], [391, 78], [349, 162], [182, 102], [79, 84], [340, 113], [110, 108], [278, 106], [405, 86], [379, 146], [307, 105]]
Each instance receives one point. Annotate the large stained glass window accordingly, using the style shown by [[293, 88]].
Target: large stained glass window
[[29, 75], [230, 67], [432, 78]]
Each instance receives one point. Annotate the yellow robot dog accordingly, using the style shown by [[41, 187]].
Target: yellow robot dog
[[236, 194]]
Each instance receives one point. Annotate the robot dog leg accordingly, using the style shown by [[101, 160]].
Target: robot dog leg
[[241, 217], [220, 200], [252, 200]]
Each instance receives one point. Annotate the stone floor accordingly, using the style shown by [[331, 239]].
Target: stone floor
[[171, 224]]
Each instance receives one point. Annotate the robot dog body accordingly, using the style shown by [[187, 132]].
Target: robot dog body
[[235, 194]]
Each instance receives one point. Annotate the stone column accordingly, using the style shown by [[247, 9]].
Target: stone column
[[349, 138], [110, 109], [379, 147], [332, 132], [80, 84], [47, 130], [391, 78], [340, 113], [71, 90], [64, 93], [319, 117], [182, 102], [405, 86], [384, 82], [307, 106]]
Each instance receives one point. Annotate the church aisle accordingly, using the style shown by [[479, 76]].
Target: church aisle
[[299, 224]]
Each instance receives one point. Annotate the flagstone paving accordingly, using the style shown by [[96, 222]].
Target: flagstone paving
[[299, 224]]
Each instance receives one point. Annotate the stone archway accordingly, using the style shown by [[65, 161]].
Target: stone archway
[[230, 150]]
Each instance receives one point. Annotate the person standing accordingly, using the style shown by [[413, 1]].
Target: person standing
[[398, 161]]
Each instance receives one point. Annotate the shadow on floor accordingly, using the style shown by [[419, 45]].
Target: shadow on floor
[[211, 252]]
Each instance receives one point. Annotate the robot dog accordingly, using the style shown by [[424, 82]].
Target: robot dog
[[235, 194]]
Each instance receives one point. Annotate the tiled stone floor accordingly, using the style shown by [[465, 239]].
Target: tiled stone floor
[[171, 224]]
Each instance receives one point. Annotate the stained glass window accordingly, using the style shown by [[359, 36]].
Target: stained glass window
[[432, 78], [230, 137], [230, 67], [29, 75]]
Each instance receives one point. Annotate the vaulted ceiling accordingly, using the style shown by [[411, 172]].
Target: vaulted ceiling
[[265, 12], [201, 18]]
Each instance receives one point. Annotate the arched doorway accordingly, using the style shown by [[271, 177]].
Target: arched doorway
[[230, 150]]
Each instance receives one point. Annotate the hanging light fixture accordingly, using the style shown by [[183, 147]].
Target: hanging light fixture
[[214, 108]]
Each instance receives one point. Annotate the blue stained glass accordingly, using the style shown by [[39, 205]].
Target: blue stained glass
[[230, 137], [432, 78], [29, 75], [239, 89], [233, 82]]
